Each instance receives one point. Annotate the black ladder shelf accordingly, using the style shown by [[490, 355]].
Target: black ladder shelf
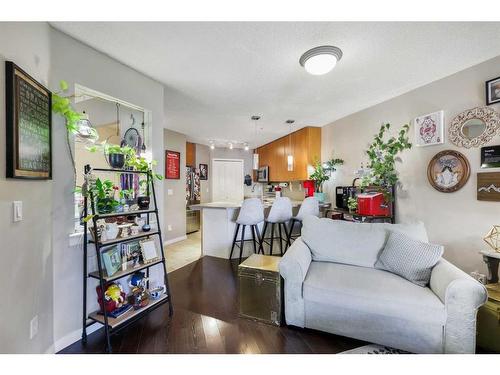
[[113, 325]]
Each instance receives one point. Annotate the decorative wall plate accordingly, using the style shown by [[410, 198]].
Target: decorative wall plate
[[474, 127], [448, 171]]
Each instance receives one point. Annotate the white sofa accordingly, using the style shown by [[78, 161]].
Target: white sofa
[[331, 285]]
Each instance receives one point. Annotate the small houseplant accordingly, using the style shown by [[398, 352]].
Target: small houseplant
[[104, 195], [383, 155], [352, 204], [321, 174]]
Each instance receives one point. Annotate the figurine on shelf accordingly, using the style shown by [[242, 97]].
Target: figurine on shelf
[[114, 297], [139, 297]]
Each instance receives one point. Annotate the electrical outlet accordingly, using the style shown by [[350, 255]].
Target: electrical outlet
[[169, 227], [33, 327]]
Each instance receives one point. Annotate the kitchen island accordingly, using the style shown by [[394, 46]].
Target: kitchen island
[[218, 224]]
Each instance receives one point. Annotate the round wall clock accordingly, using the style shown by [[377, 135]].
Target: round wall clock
[[448, 171]]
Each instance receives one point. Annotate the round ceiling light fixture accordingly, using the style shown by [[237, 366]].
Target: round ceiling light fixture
[[320, 60]]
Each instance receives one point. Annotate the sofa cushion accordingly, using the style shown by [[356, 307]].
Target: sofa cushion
[[409, 258], [352, 243], [371, 291]]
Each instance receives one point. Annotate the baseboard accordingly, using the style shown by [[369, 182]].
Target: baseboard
[[174, 240], [73, 337]]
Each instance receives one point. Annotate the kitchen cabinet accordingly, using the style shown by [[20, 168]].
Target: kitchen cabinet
[[190, 154], [303, 144]]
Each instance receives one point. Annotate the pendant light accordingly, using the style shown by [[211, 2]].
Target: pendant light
[[255, 154], [289, 158]]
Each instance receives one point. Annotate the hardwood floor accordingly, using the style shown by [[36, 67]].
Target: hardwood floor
[[205, 297]]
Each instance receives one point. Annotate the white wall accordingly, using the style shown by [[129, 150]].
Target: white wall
[[175, 204], [456, 220], [203, 157], [26, 250], [78, 63]]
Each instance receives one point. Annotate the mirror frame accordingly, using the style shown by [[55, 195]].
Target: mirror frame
[[487, 115]]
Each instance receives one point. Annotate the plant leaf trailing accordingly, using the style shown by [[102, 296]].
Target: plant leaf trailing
[[383, 157], [322, 172]]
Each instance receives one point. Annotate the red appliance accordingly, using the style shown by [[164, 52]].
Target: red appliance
[[373, 204], [309, 188]]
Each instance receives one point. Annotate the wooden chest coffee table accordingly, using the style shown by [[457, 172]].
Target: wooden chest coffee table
[[261, 289]]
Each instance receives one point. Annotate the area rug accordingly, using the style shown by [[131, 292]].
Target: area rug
[[374, 349]]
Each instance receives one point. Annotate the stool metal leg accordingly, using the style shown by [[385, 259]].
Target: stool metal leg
[[261, 248], [272, 239], [262, 237], [281, 239], [292, 225], [252, 227], [287, 237], [242, 241], [234, 240]]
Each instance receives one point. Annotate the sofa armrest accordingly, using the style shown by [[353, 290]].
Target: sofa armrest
[[462, 296], [293, 268]]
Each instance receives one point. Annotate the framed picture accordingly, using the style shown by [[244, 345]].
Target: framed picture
[[28, 126], [149, 253], [493, 91], [490, 157], [488, 186], [448, 171], [112, 260], [429, 129], [203, 171], [172, 165]]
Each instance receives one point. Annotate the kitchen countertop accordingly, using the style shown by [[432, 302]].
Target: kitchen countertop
[[230, 205]]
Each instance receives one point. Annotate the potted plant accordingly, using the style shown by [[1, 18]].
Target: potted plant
[[143, 199], [383, 155], [116, 156], [352, 205], [321, 174], [127, 197], [104, 195]]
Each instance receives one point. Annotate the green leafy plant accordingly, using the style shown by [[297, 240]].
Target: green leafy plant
[[383, 155], [352, 204], [127, 193], [104, 195], [322, 172]]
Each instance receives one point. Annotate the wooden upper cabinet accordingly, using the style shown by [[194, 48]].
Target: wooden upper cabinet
[[190, 154], [304, 145]]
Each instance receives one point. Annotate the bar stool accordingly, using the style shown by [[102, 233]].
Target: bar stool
[[281, 212], [309, 206], [251, 214]]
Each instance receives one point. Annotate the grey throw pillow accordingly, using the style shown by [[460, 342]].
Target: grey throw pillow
[[409, 258]]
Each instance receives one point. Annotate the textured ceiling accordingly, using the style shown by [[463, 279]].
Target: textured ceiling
[[219, 74]]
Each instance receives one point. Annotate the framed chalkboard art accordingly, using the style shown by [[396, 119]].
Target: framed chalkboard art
[[29, 126]]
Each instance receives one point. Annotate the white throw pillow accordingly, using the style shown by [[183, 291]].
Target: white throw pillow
[[409, 258]]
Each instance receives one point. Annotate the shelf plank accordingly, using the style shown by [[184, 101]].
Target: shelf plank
[[115, 214], [114, 323], [121, 273], [129, 238], [118, 170]]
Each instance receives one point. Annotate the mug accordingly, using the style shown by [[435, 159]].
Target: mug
[[156, 292]]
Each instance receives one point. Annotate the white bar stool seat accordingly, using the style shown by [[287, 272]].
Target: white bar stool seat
[[280, 214], [251, 214]]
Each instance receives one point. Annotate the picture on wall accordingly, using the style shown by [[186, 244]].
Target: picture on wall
[[448, 171], [28, 126], [493, 91], [203, 171], [172, 165], [488, 186], [429, 129], [490, 157]]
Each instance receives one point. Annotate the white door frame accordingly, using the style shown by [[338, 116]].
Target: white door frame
[[225, 159]]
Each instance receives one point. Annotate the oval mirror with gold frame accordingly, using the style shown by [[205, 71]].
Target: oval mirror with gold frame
[[474, 127]]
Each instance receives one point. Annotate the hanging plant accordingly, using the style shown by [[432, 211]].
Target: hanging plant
[[322, 172], [383, 155], [62, 106]]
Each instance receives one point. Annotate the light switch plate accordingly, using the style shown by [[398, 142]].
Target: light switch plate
[[170, 192], [18, 210]]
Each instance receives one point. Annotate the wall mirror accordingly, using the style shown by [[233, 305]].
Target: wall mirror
[[474, 127]]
